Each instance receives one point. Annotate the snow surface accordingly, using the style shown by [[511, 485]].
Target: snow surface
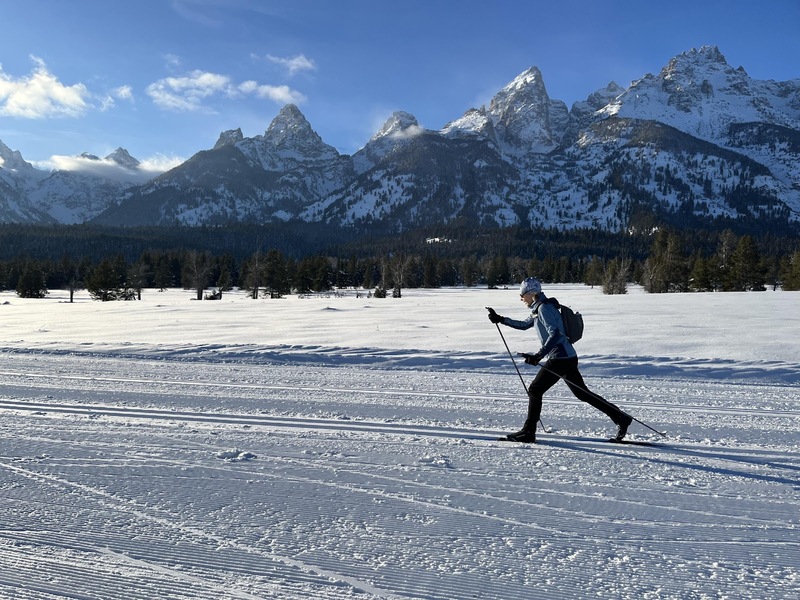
[[344, 447]]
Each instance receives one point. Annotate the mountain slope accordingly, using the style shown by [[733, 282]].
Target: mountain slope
[[697, 142], [261, 179]]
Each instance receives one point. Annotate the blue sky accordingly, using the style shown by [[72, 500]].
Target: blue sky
[[162, 78]]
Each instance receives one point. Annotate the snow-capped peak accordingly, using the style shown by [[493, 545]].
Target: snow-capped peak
[[700, 93], [400, 124], [291, 135], [525, 117], [123, 159], [289, 123], [521, 117]]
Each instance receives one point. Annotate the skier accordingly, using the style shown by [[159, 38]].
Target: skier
[[561, 362]]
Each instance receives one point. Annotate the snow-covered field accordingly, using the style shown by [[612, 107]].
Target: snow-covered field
[[344, 447]]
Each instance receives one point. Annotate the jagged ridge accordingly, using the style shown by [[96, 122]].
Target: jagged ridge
[[699, 140]]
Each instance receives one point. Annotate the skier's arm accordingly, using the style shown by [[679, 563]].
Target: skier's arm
[[514, 324], [551, 319]]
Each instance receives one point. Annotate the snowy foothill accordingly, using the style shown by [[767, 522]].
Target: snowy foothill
[[344, 446]]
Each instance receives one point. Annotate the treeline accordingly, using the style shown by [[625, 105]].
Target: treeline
[[675, 262]]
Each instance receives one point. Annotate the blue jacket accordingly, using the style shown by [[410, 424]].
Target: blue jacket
[[546, 319]]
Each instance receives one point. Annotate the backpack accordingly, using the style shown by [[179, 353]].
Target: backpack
[[573, 321]]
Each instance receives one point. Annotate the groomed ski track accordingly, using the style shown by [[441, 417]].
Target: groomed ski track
[[122, 478]]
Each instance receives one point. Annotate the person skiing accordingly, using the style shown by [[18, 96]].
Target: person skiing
[[561, 362]]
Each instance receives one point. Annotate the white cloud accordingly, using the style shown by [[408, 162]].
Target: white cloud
[[155, 165], [40, 95], [189, 93], [100, 167], [294, 64], [124, 92], [107, 168], [280, 94]]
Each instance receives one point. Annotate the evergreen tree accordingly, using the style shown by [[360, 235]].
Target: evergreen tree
[[790, 272], [163, 277], [666, 269], [276, 277], [497, 271], [593, 274], [747, 273], [106, 283], [31, 283], [469, 271], [227, 273], [430, 277], [701, 279]]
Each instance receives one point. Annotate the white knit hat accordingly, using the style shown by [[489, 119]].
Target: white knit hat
[[530, 284]]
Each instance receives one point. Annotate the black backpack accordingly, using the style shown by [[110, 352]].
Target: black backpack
[[573, 321]]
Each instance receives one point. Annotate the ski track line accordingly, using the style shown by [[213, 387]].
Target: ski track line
[[104, 581], [133, 507], [666, 551], [649, 458], [346, 424], [347, 467], [377, 427], [660, 554], [126, 458], [495, 498], [240, 419], [142, 564], [690, 408]]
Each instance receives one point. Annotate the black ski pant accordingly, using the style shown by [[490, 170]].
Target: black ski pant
[[566, 369]]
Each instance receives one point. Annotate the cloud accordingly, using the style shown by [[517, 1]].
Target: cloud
[[173, 60], [109, 169], [40, 95], [155, 165], [294, 64], [280, 94], [189, 93], [124, 92]]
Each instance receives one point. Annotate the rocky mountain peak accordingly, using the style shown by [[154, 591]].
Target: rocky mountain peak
[[525, 118], [12, 160], [123, 158], [527, 88], [290, 133], [699, 93], [229, 137], [289, 123], [400, 124]]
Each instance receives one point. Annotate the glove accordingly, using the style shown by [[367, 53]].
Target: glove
[[532, 359], [494, 317]]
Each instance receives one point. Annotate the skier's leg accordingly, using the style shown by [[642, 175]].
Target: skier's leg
[[574, 380], [543, 381]]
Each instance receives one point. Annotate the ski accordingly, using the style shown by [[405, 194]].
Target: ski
[[633, 443], [547, 440]]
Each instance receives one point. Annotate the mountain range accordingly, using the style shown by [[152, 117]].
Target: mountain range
[[699, 141]]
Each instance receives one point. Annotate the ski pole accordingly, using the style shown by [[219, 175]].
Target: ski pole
[[525, 387], [601, 399]]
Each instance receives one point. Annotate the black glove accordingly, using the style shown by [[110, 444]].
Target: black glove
[[494, 317], [532, 359]]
